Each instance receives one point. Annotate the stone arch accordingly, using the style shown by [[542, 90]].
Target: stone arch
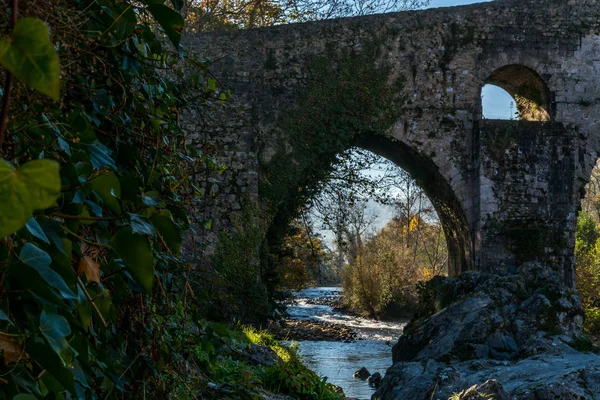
[[447, 205], [530, 91]]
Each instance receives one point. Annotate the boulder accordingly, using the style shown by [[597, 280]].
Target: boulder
[[261, 355], [478, 315], [511, 336], [375, 380], [362, 373]]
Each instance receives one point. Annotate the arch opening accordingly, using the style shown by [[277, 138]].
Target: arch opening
[[380, 243], [528, 89], [447, 206], [497, 103]]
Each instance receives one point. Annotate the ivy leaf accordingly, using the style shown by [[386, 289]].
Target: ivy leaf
[[39, 260], [100, 156], [169, 230], [12, 349], [28, 53], [84, 170], [50, 361], [64, 145], [90, 268], [136, 252], [34, 186], [108, 187], [4, 317], [24, 396], [55, 329], [151, 199], [177, 4], [170, 20], [36, 230], [141, 225], [125, 21]]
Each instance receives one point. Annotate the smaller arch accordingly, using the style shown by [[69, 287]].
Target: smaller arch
[[497, 103], [527, 87]]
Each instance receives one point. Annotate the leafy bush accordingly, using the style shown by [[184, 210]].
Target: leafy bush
[[236, 290], [592, 320], [291, 377], [382, 279]]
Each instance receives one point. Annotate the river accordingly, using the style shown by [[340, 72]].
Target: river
[[338, 360]]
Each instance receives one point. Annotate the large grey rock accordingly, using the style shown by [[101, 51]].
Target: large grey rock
[[572, 375], [511, 335], [480, 315]]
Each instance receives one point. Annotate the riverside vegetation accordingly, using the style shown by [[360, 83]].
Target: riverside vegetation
[[96, 300]]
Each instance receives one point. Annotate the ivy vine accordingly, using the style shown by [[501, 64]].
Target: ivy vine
[[95, 300]]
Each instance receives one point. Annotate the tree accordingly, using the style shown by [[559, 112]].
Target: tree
[[382, 278], [591, 202], [207, 15]]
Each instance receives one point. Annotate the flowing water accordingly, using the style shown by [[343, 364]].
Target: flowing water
[[337, 360]]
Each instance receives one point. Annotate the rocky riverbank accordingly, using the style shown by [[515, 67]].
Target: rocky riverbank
[[312, 330], [510, 337]]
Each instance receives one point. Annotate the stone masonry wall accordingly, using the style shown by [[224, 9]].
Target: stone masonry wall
[[444, 57]]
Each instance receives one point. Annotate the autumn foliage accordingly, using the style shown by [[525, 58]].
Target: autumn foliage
[[381, 280]]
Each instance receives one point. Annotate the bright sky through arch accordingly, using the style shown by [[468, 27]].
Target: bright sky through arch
[[497, 103]]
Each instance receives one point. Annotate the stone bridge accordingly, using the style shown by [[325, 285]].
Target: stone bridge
[[506, 191]]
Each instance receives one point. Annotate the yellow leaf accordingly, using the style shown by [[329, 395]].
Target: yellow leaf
[[90, 268], [414, 223], [12, 350]]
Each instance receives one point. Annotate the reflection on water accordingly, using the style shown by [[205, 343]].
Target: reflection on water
[[337, 360]]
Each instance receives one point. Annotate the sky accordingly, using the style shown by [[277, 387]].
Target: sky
[[449, 3]]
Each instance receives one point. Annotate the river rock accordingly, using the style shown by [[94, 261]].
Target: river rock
[[478, 315], [362, 373], [512, 335], [375, 379], [313, 330]]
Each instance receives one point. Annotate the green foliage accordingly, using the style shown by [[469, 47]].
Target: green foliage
[[170, 20], [136, 253], [302, 254], [34, 186], [237, 292], [592, 320], [290, 377], [95, 299], [29, 54], [384, 278], [587, 246], [583, 343]]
